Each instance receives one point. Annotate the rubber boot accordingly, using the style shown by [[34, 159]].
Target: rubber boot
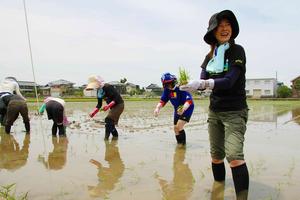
[[107, 132], [109, 126], [2, 119], [181, 139], [54, 129], [7, 129], [240, 177], [218, 171], [61, 130], [114, 133], [27, 127]]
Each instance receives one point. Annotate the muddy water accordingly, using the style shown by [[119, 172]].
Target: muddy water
[[145, 162]]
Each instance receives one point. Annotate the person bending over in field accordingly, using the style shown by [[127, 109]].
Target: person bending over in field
[[115, 104], [182, 102], [56, 111]]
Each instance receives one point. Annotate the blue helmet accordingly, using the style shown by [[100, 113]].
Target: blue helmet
[[168, 78]]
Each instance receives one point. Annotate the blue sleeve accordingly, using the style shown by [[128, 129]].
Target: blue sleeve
[[165, 96], [188, 96], [204, 74], [229, 79]]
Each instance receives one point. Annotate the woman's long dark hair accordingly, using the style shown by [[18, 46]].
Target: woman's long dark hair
[[213, 46]]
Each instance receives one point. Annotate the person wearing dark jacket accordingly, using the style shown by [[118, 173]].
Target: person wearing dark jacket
[[8, 86], [15, 105], [223, 71], [115, 104]]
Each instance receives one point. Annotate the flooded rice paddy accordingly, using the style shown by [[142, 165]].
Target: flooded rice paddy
[[145, 162]]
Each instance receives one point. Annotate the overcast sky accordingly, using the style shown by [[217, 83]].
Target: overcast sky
[[141, 39]]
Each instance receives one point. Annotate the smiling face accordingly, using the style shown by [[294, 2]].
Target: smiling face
[[223, 31]]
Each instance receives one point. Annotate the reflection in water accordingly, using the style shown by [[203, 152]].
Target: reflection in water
[[58, 157], [296, 115], [268, 112], [217, 191], [182, 185], [108, 176], [264, 113], [11, 156]]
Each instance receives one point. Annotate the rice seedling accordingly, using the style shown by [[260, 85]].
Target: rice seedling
[[7, 192], [184, 76]]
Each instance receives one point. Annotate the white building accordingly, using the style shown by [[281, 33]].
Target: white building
[[90, 93], [154, 88], [130, 87], [261, 87], [27, 86], [60, 87]]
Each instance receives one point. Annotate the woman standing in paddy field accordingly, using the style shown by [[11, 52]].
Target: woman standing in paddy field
[[223, 71], [182, 102]]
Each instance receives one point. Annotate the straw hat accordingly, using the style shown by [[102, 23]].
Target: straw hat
[[94, 82], [11, 78]]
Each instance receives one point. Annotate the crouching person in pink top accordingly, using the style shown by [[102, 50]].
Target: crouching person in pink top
[[56, 111]]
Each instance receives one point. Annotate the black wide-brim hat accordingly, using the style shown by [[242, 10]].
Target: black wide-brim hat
[[214, 21]]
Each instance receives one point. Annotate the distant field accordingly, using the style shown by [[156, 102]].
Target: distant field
[[145, 156], [94, 99]]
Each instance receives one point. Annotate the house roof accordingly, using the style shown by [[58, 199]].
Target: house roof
[[60, 82], [295, 78], [26, 83], [44, 88], [261, 79], [116, 83], [153, 86], [131, 84]]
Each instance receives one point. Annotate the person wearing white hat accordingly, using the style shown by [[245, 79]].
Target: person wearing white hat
[[115, 104], [11, 86], [7, 87]]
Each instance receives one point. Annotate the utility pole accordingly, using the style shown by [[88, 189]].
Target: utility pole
[[276, 86]]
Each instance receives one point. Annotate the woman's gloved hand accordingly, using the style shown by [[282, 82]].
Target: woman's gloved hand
[[94, 112], [193, 85]]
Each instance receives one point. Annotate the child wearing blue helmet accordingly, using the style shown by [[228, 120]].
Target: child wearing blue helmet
[[182, 102]]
